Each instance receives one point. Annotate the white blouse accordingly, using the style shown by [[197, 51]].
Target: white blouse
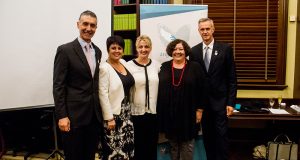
[[144, 102]]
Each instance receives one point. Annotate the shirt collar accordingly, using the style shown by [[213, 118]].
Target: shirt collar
[[84, 43], [211, 45]]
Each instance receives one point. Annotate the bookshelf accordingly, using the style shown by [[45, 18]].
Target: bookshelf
[[126, 22]]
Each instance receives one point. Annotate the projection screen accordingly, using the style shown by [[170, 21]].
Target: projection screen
[[30, 32]]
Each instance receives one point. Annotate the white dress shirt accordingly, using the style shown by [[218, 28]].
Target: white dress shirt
[[209, 51]]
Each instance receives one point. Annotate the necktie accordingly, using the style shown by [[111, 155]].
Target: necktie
[[88, 55], [206, 58]]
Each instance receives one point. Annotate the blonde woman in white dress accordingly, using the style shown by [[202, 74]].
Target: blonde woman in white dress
[[145, 72]]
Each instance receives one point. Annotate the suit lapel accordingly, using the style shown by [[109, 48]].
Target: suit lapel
[[214, 55], [80, 53], [201, 55], [97, 54], [98, 58]]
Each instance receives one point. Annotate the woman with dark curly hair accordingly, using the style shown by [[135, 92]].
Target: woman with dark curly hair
[[179, 101]]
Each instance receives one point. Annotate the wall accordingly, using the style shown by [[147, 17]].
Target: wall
[[176, 2], [297, 57]]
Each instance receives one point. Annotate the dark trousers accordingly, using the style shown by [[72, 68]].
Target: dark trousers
[[215, 135], [182, 150], [145, 136], [81, 143]]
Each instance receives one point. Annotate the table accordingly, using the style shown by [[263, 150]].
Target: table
[[247, 130], [266, 116]]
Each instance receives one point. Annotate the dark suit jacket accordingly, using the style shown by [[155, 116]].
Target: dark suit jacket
[[220, 84], [75, 90]]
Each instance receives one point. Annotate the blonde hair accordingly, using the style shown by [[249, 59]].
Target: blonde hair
[[143, 38]]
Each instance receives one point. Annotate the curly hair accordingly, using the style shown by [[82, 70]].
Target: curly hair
[[171, 46]]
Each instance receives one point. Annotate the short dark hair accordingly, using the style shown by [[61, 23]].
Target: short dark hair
[[115, 40], [207, 20], [171, 46], [88, 13]]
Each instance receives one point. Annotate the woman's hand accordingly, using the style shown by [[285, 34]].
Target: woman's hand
[[111, 124]]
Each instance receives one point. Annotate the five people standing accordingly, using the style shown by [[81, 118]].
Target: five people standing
[[75, 91], [131, 102], [220, 88]]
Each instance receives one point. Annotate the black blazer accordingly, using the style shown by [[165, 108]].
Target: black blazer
[[75, 90], [220, 84]]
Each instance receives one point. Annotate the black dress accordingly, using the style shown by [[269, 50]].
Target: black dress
[[119, 143], [177, 105]]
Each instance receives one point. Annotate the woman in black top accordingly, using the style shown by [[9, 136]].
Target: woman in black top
[[179, 100], [115, 82]]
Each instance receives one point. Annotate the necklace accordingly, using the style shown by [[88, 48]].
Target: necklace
[[181, 75]]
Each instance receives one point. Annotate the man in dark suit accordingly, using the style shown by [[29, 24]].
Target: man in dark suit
[[75, 91], [220, 87]]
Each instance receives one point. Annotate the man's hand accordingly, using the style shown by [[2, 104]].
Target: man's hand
[[199, 115], [229, 110], [64, 124]]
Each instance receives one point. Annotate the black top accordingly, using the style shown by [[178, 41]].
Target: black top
[[176, 108], [128, 82]]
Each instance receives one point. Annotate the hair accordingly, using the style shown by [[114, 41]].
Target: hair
[[143, 38], [88, 13], [171, 46], [115, 40], [207, 20]]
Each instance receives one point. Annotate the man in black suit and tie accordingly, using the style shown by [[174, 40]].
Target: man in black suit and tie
[[75, 91], [220, 87]]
